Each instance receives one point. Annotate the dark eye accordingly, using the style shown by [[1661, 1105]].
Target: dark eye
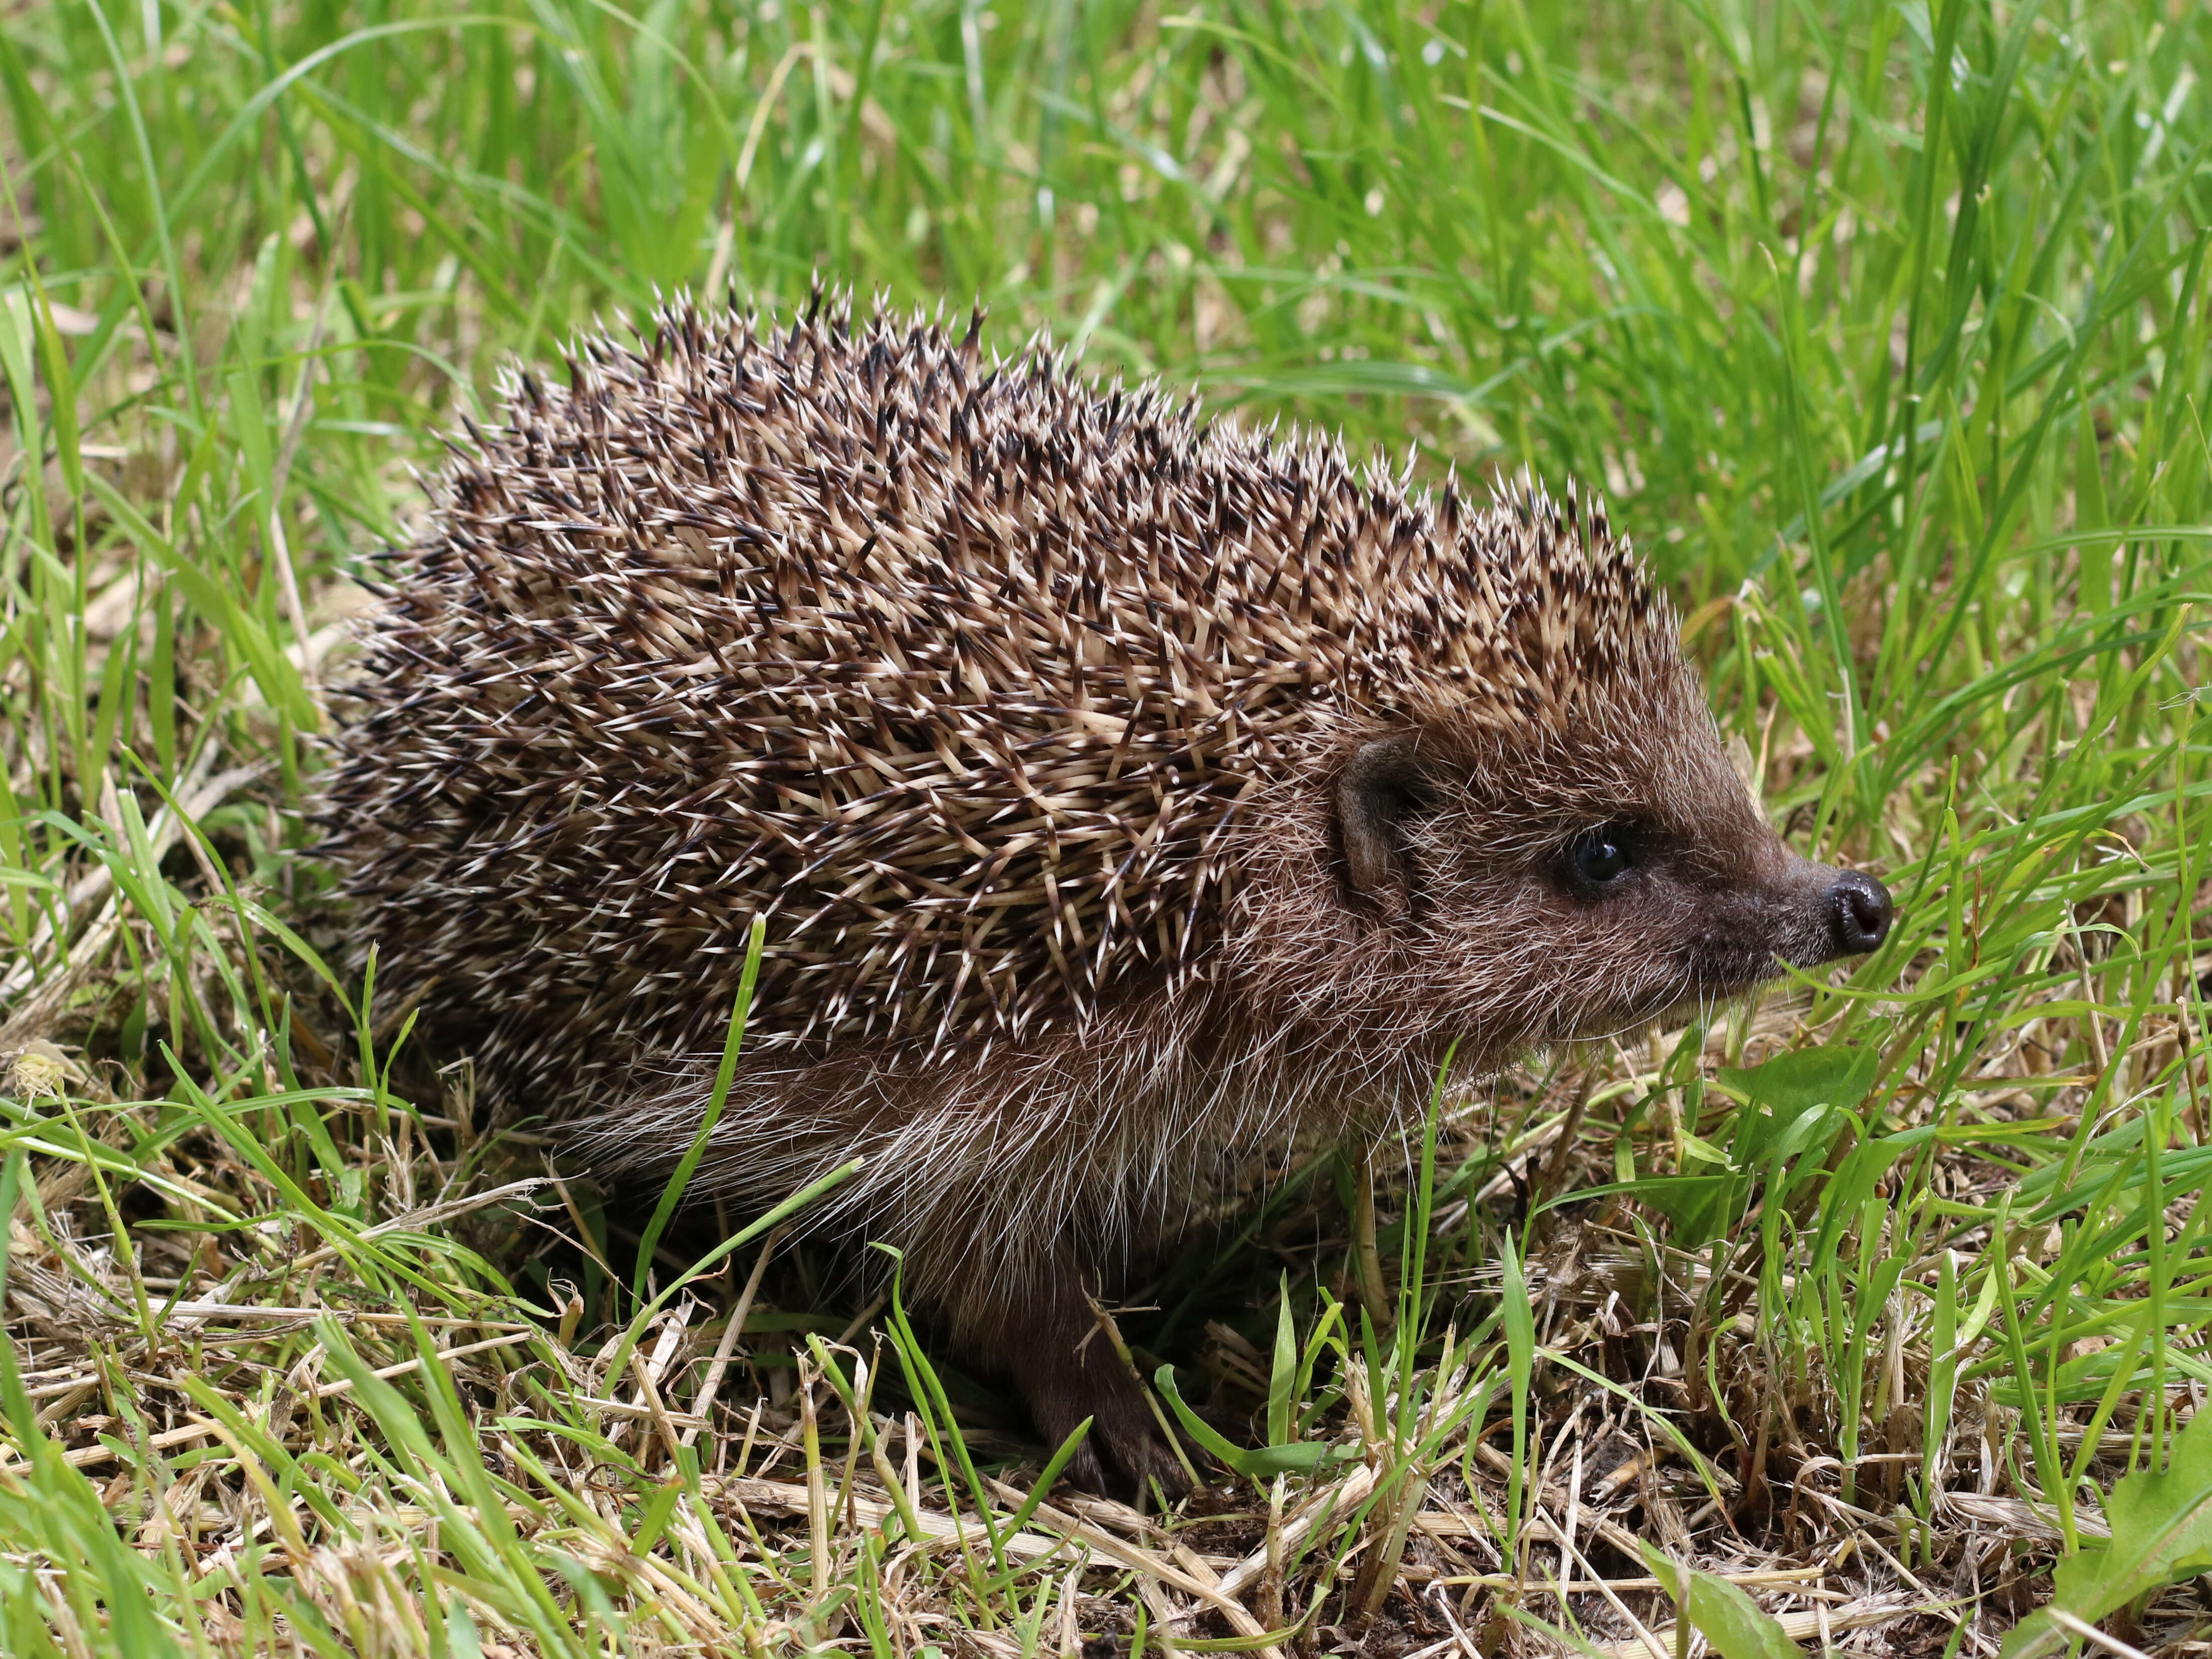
[[1598, 857]]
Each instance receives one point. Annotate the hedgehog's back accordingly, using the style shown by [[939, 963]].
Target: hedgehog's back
[[961, 679], [942, 672]]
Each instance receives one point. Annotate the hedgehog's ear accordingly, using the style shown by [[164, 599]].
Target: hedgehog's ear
[[1381, 786]]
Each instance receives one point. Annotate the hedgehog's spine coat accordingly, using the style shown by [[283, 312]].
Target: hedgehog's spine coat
[[961, 676]]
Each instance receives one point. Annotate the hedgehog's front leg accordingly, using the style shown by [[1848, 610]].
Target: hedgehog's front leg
[[1045, 1336]]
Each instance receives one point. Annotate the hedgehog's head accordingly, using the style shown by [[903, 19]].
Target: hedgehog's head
[[1546, 839], [1582, 883]]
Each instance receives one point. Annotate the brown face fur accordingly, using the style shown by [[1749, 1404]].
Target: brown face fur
[[1422, 885]]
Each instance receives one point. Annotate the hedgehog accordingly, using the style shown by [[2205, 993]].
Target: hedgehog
[[1118, 792]]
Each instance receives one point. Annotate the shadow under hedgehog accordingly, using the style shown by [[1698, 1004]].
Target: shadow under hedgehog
[[1122, 792]]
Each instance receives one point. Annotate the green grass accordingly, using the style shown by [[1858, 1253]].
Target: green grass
[[1884, 327]]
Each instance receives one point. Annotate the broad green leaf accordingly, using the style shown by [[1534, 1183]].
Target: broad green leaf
[[1717, 1610], [1783, 1120], [2162, 1531], [1792, 1083]]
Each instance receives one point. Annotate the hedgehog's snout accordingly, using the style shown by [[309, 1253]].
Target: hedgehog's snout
[[1859, 913], [1835, 913]]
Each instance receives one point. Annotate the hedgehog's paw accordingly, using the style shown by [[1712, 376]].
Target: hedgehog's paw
[[1045, 1333], [1124, 1453]]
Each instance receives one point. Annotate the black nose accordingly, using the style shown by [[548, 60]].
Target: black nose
[[1859, 913]]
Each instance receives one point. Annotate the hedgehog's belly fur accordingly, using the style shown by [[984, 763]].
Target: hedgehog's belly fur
[[1015, 1185]]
